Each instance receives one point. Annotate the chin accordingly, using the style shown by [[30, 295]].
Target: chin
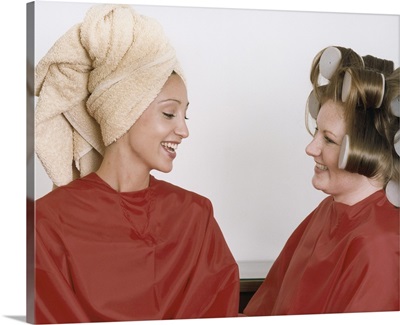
[[318, 186], [164, 169]]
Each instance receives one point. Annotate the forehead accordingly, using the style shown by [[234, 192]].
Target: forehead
[[331, 117], [174, 88]]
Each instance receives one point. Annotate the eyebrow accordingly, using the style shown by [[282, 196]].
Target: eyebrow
[[173, 100], [330, 132]]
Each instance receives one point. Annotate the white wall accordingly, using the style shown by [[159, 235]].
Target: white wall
[[247, 73]]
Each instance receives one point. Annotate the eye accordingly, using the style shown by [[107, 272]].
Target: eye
[[186, 118], [168, 115], [328, 140]]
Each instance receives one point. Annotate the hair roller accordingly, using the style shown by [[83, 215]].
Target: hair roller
[[395, 106], [329, 61], [397, 142], [369, 86], [313, 105], [395, 110], [393, 192]]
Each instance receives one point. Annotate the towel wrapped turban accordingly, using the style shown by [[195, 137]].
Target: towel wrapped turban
[[94, 83]]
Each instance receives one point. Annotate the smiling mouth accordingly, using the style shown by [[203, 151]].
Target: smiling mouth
[[321, 167], [170, 146]]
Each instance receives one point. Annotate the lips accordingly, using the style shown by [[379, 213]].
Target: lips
[[321, 167], [170, 146]]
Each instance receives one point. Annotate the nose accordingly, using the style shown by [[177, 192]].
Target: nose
[[313, 149], [181, 129]]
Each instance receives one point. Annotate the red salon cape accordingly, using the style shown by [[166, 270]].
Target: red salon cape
[[340, 259], [102, 255]]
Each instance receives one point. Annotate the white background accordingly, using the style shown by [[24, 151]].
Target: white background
[[282, 167], [248, 80]]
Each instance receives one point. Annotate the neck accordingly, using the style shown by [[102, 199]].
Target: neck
[[367, 188], [117, 171]]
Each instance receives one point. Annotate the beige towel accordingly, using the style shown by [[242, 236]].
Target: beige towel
[[94, 83]]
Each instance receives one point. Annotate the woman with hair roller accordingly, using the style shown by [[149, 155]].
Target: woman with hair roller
[[344, 257]]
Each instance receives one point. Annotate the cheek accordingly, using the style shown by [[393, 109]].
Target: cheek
[[342, 179], [138, 138], [331, 159], [157, 127]]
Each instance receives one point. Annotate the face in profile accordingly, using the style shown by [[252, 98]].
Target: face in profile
[[152, 142], [325, 149]]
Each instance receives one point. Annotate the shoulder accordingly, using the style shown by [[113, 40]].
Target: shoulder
[[381, 218], [314, 216], [164, 188], [378, 235], [325, 204], [177, 203], [78, 189]]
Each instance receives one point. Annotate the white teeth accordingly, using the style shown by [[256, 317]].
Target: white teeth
[[170, 146], [322, 167]]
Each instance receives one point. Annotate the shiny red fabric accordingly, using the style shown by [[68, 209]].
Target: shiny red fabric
[[340, 259], [103, 255]]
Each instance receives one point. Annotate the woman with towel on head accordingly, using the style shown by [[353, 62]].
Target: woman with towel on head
[[344, 257], [113, 243]]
